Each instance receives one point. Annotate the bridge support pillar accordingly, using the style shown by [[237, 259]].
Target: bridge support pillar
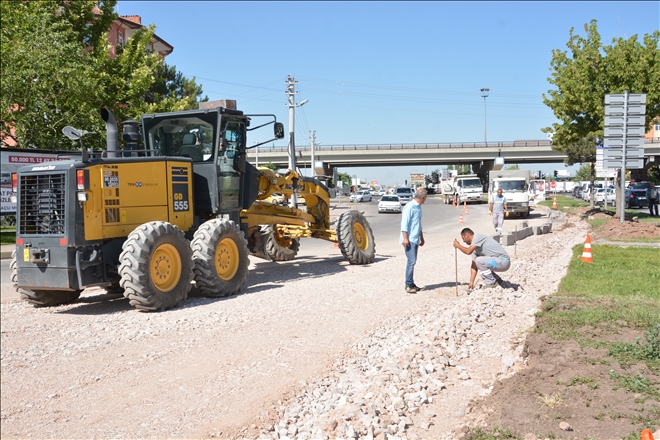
[[481, 169]]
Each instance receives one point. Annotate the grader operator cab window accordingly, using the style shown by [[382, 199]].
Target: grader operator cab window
[[186, 137]]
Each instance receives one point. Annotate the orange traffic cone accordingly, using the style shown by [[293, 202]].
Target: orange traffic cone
[[465, 205], [453, 201], [554, 203], [646, 435], [460, 219], [336, 245], [466, 210], [586, 252]]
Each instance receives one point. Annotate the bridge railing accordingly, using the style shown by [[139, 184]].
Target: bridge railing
[[354, 147]]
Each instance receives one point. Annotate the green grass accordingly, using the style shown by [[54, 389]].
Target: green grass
[[564, 203], [621, 288], [496, 434], [7, 235], [615, 271], [642, 216]]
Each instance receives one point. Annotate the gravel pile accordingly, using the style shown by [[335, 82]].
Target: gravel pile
[[385, 385]]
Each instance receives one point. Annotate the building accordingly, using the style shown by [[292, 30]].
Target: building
[[654, 132], [123, 29]]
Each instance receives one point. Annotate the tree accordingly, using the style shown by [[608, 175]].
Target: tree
[[584, 74], [47, 80], [583, 173], [512, 167], [57, 70], [462, 169], [271, 166], [344, 178]]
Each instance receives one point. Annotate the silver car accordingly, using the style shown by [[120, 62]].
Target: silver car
[[361, 196]]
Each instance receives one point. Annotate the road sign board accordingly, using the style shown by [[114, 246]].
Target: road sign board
[[634, 109], [631, 153], [613, 121], [619, 131], [634, 164], [553, 185], [620, 98], [631, 141]]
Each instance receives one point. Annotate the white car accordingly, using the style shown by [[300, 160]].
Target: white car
[[389, 204], [361, 196], [603, 194]]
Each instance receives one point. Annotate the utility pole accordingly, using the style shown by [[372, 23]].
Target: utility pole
[[313, 173], [290, 91], [484, 94]]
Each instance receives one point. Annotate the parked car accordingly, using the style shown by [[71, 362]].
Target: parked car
[[389, 204], [578, 192], [405, 194], [603, 195], [360, 196], [636, 198]]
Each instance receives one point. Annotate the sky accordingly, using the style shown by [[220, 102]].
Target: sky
[[387, 72]]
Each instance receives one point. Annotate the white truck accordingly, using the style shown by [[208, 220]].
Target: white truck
[[515, 188], [465, 188]]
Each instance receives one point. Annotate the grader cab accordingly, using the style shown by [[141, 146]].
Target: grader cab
[[178, 205]]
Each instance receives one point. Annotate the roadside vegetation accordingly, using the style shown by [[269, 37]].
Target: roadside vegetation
[[7, 235], [8, 230], [594, 305]]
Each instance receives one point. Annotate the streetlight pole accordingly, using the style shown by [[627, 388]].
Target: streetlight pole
[[484, 94]]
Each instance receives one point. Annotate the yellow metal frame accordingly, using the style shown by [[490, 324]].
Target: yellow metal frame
[[293, 222]]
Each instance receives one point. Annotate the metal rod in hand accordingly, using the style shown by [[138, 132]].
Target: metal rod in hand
[[456, 266]]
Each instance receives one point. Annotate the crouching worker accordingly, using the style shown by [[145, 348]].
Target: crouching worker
[[488, 257]]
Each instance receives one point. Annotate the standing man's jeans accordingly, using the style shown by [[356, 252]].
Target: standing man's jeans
[[653, 204], [411, 256], [498, 221]]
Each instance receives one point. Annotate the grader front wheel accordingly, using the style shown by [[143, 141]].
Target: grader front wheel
[[355, 237], [220, 256]]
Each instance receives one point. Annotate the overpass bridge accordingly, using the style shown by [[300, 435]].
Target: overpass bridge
[[480, 155]]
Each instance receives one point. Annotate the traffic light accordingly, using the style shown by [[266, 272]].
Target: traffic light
[[540, 174], [555, 174]]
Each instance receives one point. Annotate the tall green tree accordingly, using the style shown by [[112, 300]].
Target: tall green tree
[[584, 74], [47, 80], [57, 70]]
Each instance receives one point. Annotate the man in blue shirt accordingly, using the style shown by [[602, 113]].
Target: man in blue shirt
[[412, 236]]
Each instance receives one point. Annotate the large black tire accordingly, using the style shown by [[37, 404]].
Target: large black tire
[[48, 298], [355, 237], [41, 298], [13, 267], [281, 248], [156, 267], [220, 256]]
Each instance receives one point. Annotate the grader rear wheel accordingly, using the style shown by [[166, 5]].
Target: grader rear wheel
[[220, 256], [281, 247], [41, 298], [355, 237], [156, 267]]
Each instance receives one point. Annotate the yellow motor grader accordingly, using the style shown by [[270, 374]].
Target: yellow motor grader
[[178, 203]]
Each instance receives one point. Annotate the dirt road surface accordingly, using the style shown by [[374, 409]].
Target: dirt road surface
[[313, 348]]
